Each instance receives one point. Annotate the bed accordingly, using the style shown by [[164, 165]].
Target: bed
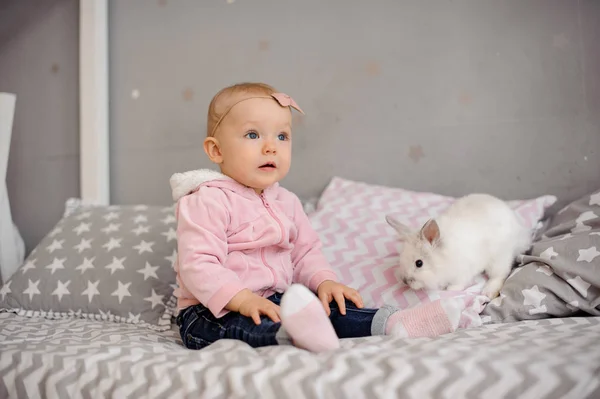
[[76, 358], [90, 312]]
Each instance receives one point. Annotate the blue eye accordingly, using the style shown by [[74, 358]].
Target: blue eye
[[282, 137], [252, 135]]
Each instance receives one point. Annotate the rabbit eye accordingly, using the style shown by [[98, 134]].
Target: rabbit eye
[[419, 263]]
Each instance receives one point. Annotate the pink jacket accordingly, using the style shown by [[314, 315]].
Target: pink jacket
[[230, 238]]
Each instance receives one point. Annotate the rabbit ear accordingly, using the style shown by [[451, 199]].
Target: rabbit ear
[[402, 229], [431, 231]]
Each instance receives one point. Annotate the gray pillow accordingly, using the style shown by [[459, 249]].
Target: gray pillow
[[101, 262], [561, 277]]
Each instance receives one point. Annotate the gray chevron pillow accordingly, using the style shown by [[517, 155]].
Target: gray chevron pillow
[[561, 277], [100, 262]]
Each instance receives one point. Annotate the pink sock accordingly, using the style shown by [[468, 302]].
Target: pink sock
[[305, 320], [428, 320]]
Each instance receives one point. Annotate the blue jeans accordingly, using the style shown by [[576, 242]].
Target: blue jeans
[[199, 328]]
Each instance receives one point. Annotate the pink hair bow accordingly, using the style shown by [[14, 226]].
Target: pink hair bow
[[286, 101]]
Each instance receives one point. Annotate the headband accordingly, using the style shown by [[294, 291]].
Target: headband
[[283, 99]]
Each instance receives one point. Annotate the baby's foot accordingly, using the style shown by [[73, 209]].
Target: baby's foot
[[305, 320], [428, 320]]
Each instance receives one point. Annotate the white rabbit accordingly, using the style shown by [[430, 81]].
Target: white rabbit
[[477, 233]]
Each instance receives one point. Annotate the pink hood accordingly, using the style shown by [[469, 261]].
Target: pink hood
[[230, 238]]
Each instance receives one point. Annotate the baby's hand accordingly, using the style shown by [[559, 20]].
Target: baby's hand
[[329, 290], [251, 305]]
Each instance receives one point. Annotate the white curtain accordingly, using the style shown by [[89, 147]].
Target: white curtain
[[12, 248]]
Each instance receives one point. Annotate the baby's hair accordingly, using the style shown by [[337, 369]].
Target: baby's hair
[[226, 97]]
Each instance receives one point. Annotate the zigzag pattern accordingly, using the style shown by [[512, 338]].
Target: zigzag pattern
[[542, 359], [362, 248]]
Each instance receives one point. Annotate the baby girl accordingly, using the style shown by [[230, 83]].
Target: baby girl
[[250, 266]]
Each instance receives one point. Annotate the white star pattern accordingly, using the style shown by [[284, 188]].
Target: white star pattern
[[566, 236], [91, 290], [584, 217], [144, 247], [140, 219], [588, 255], [82, 228], [169, 219], [548, 254], [573, 306], [580, 228], [122, 291], [84, 215], [116, 264], [172, 258], [538, 310], [112, 244], [545, 269], [56, 264], [105, 315], [110, 228], [76, 249], [140, 229], [155, 299], [32, 289], [87, 264], [110, 216], [171, 234], [30, 264], [133, 318], [149, 271], [61, 289], [83, 245], [580, 285], [595, 233], [55, 232], [5, 289], [533, 297], [595, 199], [56, 244]]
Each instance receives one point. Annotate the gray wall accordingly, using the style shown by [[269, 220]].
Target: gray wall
[[39, 63], [446, 96], [499, 96]]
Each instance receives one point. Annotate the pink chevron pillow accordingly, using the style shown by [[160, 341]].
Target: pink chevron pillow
[[350, 219]]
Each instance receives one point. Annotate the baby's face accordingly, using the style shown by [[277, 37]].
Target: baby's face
[[255, 139]]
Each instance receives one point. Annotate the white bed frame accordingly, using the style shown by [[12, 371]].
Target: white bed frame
[[93, 93], [94, 135]]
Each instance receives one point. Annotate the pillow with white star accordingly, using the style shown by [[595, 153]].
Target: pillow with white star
[[561, 277], [110, 263]]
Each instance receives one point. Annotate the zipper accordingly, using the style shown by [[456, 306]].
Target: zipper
[[264, 200], [262, 250]]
